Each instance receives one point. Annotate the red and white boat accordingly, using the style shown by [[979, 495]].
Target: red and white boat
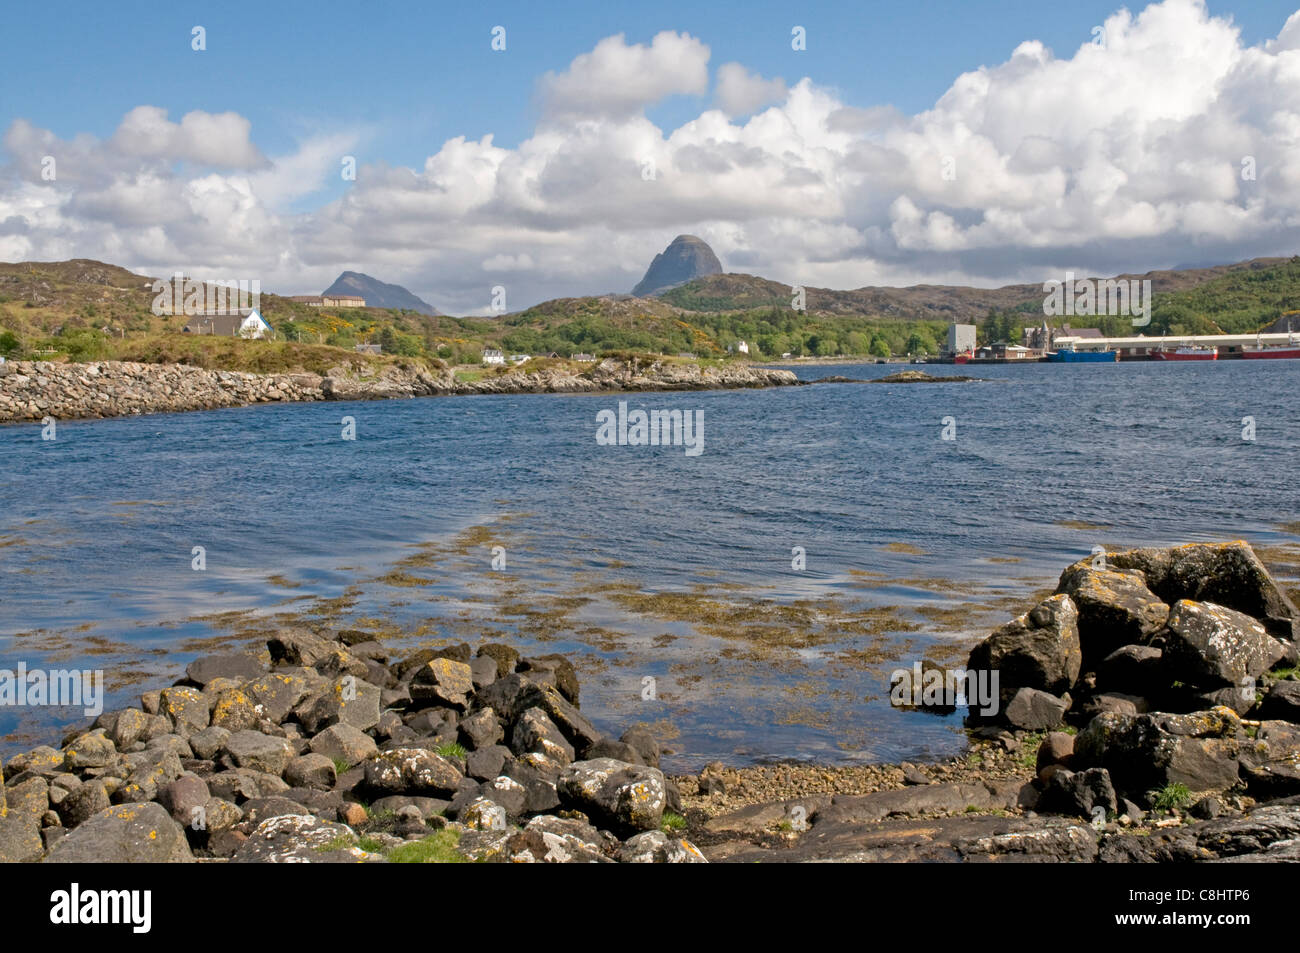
[[1257, 351], [1188, 352]]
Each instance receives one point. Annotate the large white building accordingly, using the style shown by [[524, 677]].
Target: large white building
[[961, 339]]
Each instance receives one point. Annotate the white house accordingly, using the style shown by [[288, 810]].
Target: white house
[[492, 356], [742, 347]]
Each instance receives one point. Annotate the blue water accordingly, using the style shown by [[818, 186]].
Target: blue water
[[97, 528]]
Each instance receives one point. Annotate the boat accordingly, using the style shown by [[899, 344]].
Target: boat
[[1188, 352], [1068, 355], [1289, 350]]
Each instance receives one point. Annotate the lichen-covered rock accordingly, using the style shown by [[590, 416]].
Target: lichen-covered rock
[[535, 732], [1209, 646], [345, 700], [411, 771], [443, 681], [1115, 608], [1227, 574], [301, 839], [656, 847], [126, 834], [252, 749], [186, 707], [627, 797], [1147, 752], [1038, 650]]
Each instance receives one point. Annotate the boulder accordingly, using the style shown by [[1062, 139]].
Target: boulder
[[535, 732], [1282, 702], [315, 771], [301, 839], [252, 749], [345, 743], [412, 771], [624, 797], [656, 847], [1032, 710], [1210, 646], [1147, 752], [1038, 650], [1078, 793], [1226, 574], [443, 681], [126, 834], [1132, 669], [238, 666], [1115, 608]]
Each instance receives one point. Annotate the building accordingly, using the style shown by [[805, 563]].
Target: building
[[249, 324], [314, 301], [584, 358], [492, 356], [342, 301], [961, 339], [742, 347], [519, 358]]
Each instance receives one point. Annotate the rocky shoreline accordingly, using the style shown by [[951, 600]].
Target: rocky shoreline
[[34, 390], [1148, 711]]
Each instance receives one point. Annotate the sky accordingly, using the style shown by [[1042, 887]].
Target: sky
[[553, 149]]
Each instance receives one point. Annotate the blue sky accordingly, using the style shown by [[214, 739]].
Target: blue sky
[[400, 79]]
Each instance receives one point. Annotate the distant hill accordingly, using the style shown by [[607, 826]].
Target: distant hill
[[951, 303], [378, 294], [686, 258]]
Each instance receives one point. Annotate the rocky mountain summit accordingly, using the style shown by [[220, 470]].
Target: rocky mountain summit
[[685, 259], [378, 294]]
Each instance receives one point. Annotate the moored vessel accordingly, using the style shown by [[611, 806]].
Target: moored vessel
[[1188, 352]]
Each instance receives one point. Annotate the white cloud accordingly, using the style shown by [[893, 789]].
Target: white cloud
[[1103, 159], [740, 92], [616, 79]]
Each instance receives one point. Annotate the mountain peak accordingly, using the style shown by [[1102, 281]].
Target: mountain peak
[[378, 294], [685, 259]]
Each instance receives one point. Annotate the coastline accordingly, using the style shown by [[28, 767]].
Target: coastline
[[34, 390]]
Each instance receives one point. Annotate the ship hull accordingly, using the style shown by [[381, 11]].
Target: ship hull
[[1175, 356], [1083, 357], [1263, 353]]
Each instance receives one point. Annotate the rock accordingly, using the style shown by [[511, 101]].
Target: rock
[[209, 742], [1038, 650], [345, 743], [278, 693], [1211, 647], [685, 259], [299, 647], [260, 809], [126, 834], [575, 727], [235, 710], [482, 814], [1270, 762], [482, 729], [252, 749], [20, 840], [618, 750], [443, 681], [311, 771], [1033, 710], [128, 728], [563, 675], [1131, 669], [411, 771], [40, 760], [84, 802], [486, 763], [183, 797], [483, 671], [1114, 702], [1079, 792], [626, 797], [354, 815], [534, 731], [1207, 808], [148, 771], [209, 667], [1115, 608], [301, 839], [504, 656], [345, 700], [656, 847], [186, 707], [1148, 752], [1057, 748], [91, 750], [1282, 702], [1226, 574]]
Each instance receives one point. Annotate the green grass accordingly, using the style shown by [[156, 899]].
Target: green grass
[[437, 848], [1172, 797], [341, 765], [452, 749], [673, 822]]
